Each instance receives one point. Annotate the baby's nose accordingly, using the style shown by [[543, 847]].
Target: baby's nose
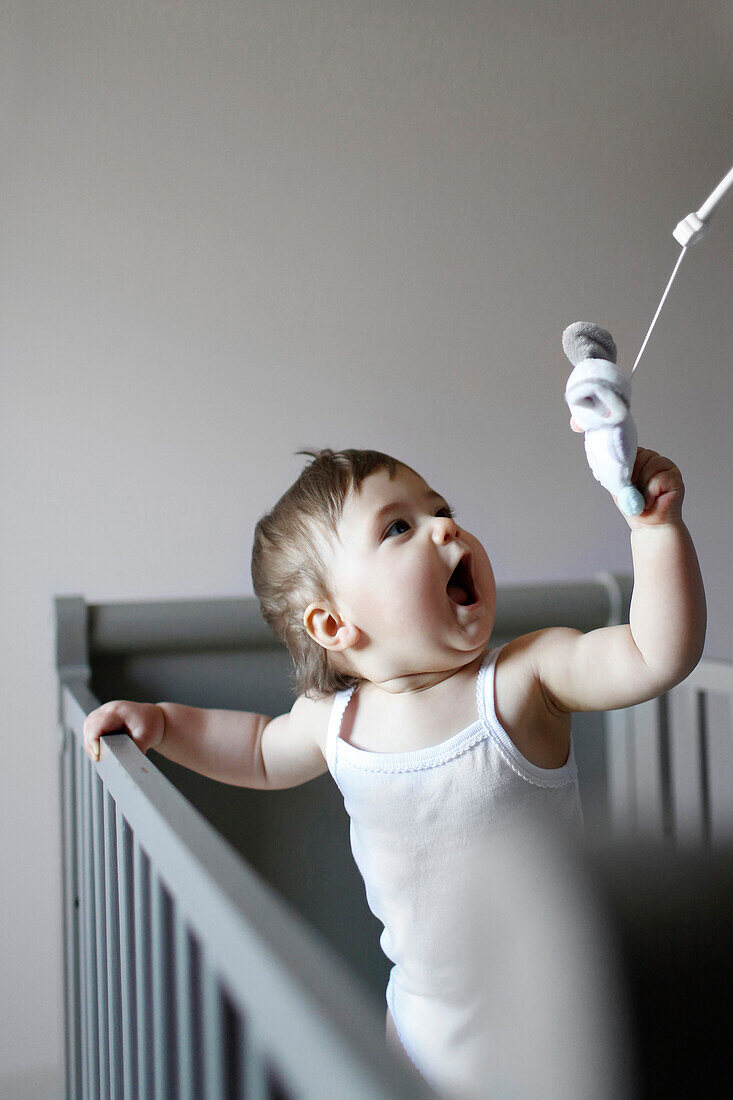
[[445, 530]]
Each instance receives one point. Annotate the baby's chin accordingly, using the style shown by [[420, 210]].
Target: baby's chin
[[474, 622], [460, 652]]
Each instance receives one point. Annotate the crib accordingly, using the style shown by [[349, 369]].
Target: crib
[[217, 940]]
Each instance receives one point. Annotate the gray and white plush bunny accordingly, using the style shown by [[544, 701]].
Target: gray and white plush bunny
[[598, 393]]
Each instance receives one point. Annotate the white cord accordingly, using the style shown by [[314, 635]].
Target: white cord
[[659, 310], [690, 230]]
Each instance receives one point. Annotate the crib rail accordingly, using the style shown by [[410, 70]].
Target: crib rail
[[186, 976], [671, 761], [170, 625]]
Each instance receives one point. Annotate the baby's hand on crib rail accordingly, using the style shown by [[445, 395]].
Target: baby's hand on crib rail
[[144, 722]]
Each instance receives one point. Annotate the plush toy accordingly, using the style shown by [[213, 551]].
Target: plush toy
[[598, 394]]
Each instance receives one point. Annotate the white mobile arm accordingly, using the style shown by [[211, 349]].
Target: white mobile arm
[[695, 225], [688, 232]]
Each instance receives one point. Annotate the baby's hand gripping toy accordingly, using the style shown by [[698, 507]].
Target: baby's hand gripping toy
[[598, 394]]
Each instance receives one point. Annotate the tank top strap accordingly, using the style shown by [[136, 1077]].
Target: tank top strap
[[485, 693], [340, 703]]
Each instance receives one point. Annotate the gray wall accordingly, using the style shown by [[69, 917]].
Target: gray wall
[[231, 230]]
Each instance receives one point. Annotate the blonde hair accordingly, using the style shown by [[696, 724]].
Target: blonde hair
[[288, 568]]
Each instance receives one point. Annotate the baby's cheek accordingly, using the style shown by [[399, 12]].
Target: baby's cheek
[[431, 597], [415, 589]]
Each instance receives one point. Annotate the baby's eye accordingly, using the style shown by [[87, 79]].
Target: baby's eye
[[397, 528], [446, 511]]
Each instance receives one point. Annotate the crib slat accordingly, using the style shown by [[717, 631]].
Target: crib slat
[[719, 737], [164, 1030], [251, 1058], [142, 973], [114, 1008], [100, 922], [71, 913], [621, 765], [649, 802], [704, 755], [687, 764], [83, 909], [213, 1032], [233, 1067], [159, 1028], [90, 938], [184, 1008], [197, 1021], [127, 957], [665, 766]]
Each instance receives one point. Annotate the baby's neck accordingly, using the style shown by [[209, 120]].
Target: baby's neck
[[416, 682], [413, 712]]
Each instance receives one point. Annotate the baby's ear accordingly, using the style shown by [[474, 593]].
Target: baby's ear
[[328, 629]]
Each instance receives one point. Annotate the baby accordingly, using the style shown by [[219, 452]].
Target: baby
[[386, 604]]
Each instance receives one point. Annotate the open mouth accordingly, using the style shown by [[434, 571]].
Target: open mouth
[[460, 587]]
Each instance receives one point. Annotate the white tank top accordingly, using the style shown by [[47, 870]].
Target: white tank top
[[414, 816]]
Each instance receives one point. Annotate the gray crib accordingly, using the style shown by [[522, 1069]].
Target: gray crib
[[217, 940]]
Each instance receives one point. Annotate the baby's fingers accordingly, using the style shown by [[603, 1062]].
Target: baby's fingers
[[649, 463], [116, 716], [104, 719], [660, 481]]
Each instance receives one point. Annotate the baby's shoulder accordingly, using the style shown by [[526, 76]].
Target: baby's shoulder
[[522, 653], [538, 729], [514, 676], [312, 714]]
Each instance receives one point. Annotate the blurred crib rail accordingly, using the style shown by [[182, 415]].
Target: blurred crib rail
[[186, 973], [670, 761]]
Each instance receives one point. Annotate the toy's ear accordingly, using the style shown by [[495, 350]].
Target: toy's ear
[[584, 340], [596, 406]]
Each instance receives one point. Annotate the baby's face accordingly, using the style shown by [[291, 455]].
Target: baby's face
[[419, 588]]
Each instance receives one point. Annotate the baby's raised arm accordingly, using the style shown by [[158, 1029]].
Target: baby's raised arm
[[246, 750], [622, 665]]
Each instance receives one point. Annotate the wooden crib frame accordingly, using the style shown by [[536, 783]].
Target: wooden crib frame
[[185, 974]]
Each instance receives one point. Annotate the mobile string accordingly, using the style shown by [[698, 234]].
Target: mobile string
[[688, 232]]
